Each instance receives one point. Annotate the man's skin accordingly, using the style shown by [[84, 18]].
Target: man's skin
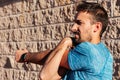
[[32, 57], [85, 31], [39, 58]]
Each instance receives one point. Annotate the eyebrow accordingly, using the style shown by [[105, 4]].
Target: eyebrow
[[78, 22]]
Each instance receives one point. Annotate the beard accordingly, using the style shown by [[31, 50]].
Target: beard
[[79, 38], [76, 37]]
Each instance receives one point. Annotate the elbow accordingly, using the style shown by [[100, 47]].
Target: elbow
[[47, 76], [42, 76]]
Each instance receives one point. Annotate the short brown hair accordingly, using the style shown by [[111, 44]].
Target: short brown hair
[[97, 11]]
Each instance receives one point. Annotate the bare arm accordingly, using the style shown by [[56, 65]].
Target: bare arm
[[40, 58], [32, 57], [51, 66]]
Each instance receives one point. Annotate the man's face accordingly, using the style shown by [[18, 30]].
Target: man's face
[[82, 28]]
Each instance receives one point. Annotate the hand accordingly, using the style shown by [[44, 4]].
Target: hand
[[19, 53], [68, 41]]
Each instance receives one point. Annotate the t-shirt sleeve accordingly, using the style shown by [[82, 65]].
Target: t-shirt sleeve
[[78, 58]]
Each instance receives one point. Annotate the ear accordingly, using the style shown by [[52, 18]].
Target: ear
[[97, 27]]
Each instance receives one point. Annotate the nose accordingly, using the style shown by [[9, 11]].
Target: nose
[[74, 28]]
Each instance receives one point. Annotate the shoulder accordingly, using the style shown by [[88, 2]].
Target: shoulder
[[84, 47]]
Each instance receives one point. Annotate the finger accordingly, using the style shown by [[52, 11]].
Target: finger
[[20, 49], [25, 50]]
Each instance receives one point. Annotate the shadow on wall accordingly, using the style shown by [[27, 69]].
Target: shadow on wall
[[8, 64], [118, 3], [6, 2]]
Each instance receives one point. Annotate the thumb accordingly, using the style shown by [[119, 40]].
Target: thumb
[[25, 50]]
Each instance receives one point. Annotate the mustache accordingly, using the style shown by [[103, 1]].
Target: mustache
[[76, 32]]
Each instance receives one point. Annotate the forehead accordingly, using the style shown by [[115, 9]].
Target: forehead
[[83, 16]]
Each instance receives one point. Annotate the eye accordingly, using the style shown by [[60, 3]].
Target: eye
[[78, 22]]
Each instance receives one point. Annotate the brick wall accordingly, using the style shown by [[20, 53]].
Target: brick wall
[[41, 24]]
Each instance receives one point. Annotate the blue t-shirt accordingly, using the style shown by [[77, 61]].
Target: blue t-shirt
[[90, 62]]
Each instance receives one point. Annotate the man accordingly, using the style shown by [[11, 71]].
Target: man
[[84, 57]]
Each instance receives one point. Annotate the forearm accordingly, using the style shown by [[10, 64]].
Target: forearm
[[37, 57], [55, 60], [51, 66]]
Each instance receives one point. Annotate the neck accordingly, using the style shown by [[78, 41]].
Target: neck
[[95, 40]]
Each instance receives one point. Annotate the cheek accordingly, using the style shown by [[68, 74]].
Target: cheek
[[82, 31], [87, 30], [85, 33]]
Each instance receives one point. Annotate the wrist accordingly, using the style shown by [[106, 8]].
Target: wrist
[[68, 41], [24, 57]]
